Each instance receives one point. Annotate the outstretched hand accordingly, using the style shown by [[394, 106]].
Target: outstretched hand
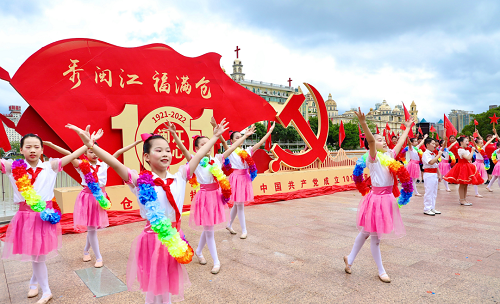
[[170, 127], [221, 128], [361, 116], [250, 131], [213, 122], [272, 127], [96, 135], [409, 122], [84, 134]]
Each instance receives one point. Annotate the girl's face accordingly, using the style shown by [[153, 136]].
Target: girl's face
[[414, 142], [480, 143], [236, 136], [380, 143], [201, 143], [91, 156], [160, 156], [32, 149], [465, 143], [452, 139]]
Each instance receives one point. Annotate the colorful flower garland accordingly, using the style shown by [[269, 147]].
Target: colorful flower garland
[[394, 166], [227, 168], [494, 157], [28, 192], [178, 246], [93, 185], [486, 159], [245, 157], [219, 176]]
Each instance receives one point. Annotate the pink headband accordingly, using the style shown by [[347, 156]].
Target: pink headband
[[230, 132]]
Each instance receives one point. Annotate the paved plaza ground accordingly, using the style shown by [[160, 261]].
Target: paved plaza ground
[[293, 254]]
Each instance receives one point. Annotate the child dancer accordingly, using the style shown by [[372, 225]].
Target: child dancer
[[464, 173], [152, 265], [489, 151], [210, 202], [88, 214], [378, 212], [432, 176], [240, 180], [479, 162], [496, 171], [34, 234], [413, 165], [445, 164]]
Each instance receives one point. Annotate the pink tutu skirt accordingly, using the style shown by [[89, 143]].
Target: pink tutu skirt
[[88, 212], [413, 168], [29, 238], [153, 270], [207, 208], [481, 169], [241, 187], [378, 213], [444, 167], [496, 170]]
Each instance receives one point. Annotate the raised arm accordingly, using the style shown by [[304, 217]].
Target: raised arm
[[125, 149], [195, 160], [368, 134], [402, 140], [490, 141], [221, 138], [114, 163], [75, 162], [456, 142], [422, 142], [263, 140], [238, 143], [469, 157], [173, 132], [73, 156]]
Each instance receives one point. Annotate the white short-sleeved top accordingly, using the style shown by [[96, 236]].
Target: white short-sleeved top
[[45, 181], [479, 156], [463, 153], [102, 173], [413, 154], [178, 189], [426, 158], [380, 175], [237, 162], [203, 176], [445, 156]]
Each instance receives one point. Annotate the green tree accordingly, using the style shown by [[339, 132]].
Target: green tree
[[260, 130], [351, 141], [15, 146], [371, 124], [484, 126]]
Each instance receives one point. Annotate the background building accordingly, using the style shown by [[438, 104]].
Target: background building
[[492, 107], [460, 118], [14, 115]]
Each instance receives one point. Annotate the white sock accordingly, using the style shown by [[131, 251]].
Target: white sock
[[33, 282], [241, 217], [375, 248], [210, 239], [446, 184], [94, 243], [477, 189], [201, 244], [415, 186], [42, 276], [234, 210], [358, 243], [492, 181]]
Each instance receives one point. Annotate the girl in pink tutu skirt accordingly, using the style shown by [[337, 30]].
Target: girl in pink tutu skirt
[[34, 234], [413, 165], [156, 267], [495, 174], [378, 213], [480, 159], [209, 206], [88, 214], [241, 178]]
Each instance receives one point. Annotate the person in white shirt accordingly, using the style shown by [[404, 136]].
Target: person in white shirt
[[432, 176]]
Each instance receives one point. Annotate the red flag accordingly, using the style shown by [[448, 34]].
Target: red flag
[[361, 141], [387, 126], [450, 129], [378, 132], [475, 122], [393, 134], [475, 135], [385, 133], [433, 129], [407, 117], [437, 137], [420, 131], [341, 133], [269, 143], [403, 127]]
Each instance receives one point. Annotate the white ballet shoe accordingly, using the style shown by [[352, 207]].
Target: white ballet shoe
[[231, 230], [419, 195], [86, 257], [464, 204], [448, 190], [216, 269], [33, 292], [489, 190], [98, 263], [201, 259], [243, 235], [347, 266], [45, 299], [384, 278], [479, 195]]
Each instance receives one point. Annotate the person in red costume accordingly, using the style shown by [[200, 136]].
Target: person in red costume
[[489, 149]]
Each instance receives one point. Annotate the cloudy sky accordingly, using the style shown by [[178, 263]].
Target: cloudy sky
[[442, 54]]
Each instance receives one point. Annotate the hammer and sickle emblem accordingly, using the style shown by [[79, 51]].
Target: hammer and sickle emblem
[[291, 114]]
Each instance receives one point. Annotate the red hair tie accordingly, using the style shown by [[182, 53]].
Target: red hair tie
[[145, 136]]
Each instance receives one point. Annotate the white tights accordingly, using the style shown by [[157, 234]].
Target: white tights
[[476, 188], [240, 210], [446, 184], [374, 246], [40, 276], [92, 242], [207, 237], [414, 180], [152, 299], [493, 179]]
